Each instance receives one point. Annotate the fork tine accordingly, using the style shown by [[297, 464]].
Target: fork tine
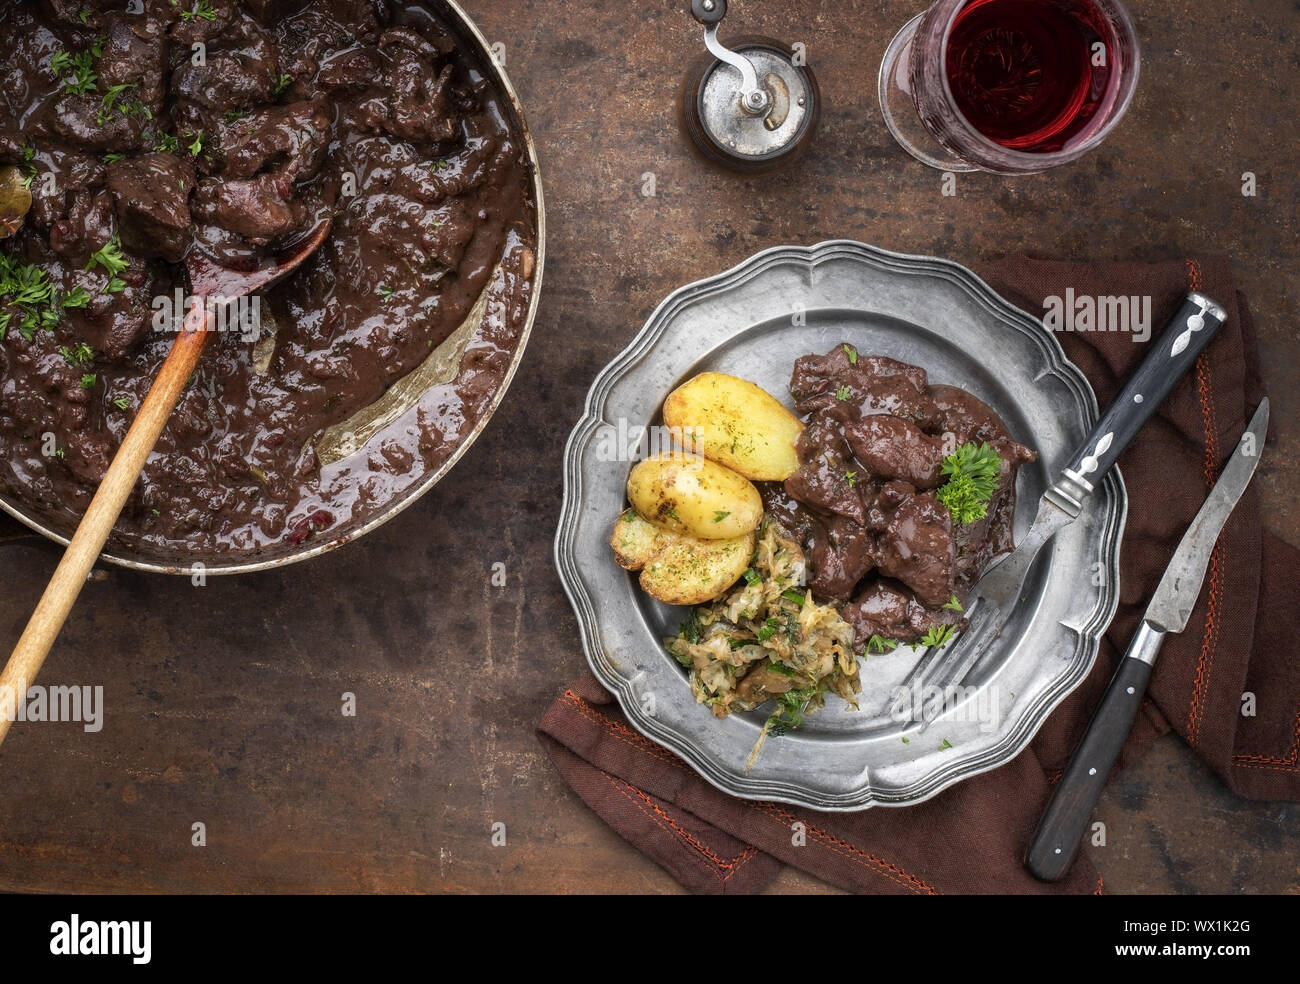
[[953, 667]]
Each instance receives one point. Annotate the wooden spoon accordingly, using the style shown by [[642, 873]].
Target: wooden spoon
[[207, 280]]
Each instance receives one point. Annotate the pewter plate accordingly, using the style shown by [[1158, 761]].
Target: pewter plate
[[753, 321]]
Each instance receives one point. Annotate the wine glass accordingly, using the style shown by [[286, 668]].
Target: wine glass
[[1009, 86]]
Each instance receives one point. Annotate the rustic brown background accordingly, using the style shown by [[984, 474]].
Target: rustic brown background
[[223, 702]]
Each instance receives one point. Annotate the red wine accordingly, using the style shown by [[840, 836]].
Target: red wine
[[1030, 74]]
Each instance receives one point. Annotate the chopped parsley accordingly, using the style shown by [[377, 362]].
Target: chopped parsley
[[165, 143], [28, 289], [937, 635], [690, 629], [201, 10], [122, 403], [953, 605], [852, 353], [78, 355], [972, 472], [879, 644], [112, 100], [89, 380], [752, 577], [719, 515], [843, 393]]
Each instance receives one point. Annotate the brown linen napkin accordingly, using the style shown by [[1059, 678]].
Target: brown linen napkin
[[972, 837]]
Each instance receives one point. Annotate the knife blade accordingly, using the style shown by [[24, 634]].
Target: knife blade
[[1056, 841], [995, 595]]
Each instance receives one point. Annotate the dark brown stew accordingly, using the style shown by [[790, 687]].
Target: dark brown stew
[[863, 506], [152, 128]]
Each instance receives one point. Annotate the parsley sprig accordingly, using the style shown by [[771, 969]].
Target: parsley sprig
[[109, 256], [76, 71], [972, 472]]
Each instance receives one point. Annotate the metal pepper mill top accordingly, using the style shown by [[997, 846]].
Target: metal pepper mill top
[[752, 107]]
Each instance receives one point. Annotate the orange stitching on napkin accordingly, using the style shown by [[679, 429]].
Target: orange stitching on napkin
[[669, 824], [621, 733], [742, 859], [1289, 764], [1209, 642], [879, 865]]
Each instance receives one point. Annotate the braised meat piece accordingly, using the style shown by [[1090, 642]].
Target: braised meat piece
[[271, 12], [827, 477], [838, 551], [840, 558], [289, 140], [917, 548], [259, 210], [69, 12], [240, 70], [893, 448], [888, 609], [864, 385], [87, 226], [80, 120], [419, 105], [968, 418], [151, 196], [134, 55]]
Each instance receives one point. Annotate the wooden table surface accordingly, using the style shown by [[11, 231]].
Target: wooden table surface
[[223, 703]]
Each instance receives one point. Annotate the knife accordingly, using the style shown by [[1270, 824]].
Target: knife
[[995, 595], [1056, 841]]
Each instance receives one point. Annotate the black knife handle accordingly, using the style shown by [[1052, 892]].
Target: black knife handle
[[1056, 841], [1197, 322]]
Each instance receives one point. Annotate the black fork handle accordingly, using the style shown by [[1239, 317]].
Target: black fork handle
[[1192, 329]]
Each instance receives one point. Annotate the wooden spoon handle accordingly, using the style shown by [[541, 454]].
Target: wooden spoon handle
[[86, 544]]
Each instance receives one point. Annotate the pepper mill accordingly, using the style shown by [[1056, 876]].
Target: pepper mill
[[752, 107]]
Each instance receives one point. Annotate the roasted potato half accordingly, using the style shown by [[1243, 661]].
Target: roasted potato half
[[689, 494], [678, 569], [735, 423]]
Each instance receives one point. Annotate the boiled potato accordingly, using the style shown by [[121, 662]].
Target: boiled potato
[[689, 494], [637, 542], [678, 569], [691, 572], [735, 423]]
